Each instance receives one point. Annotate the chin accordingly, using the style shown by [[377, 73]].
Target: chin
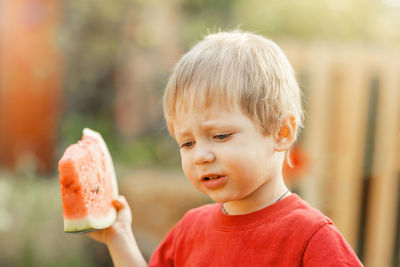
[[218, 198]]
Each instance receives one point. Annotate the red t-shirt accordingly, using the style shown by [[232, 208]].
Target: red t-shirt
[[287, 233]]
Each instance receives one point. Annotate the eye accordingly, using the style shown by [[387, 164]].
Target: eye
[[187, 144], [222, 136]]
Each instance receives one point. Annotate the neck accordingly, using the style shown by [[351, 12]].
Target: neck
[[267, 194]]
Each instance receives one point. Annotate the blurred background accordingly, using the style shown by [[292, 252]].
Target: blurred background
[[66, 65]]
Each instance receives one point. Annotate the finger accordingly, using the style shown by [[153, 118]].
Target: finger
[[124, 211], [120, 202], [117, 204]]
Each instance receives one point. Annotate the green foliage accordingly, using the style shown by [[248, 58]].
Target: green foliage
[[153, 149], [88, 36], [74, 122], [203, 16], [343, 20], [150, 148]]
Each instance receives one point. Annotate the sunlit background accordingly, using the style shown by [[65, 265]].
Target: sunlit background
[[66, 65]]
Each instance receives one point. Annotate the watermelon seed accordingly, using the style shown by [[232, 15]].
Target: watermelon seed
[[95, 190], [72, 186]]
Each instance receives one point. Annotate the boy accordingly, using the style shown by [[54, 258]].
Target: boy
[[234, 107]]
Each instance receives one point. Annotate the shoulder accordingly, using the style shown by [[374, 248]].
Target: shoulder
[[302, 220], [325, 244], [328, 247], [305, 216]]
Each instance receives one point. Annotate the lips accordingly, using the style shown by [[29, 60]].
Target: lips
[[213, 181]]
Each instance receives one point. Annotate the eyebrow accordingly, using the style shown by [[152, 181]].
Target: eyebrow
[[214, 123], [206, 126], [182, 133]]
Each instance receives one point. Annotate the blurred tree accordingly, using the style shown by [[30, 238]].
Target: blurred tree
[[341, 20], [203, 16], [90, 36], [149, 46]]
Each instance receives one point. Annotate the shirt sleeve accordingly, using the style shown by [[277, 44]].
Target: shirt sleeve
[[164, 253], [327, 247]]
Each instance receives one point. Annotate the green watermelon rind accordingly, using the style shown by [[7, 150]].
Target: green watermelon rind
[[88, 223]]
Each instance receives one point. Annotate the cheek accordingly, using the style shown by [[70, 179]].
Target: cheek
[[183, 161], [190, 174], [240, 154], [186, 164], [247, 162]]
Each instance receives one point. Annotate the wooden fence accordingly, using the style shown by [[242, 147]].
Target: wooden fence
[[352, 133]]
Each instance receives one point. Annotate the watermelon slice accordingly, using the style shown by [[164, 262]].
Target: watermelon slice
[[88, 184]]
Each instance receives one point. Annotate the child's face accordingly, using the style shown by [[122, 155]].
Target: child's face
[[224, 154]]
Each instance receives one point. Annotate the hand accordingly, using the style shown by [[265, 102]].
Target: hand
[[122, 226]]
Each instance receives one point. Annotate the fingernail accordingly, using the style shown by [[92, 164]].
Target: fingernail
[[117, 204]]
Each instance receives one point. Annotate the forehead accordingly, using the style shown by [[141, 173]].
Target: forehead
[[210, 117], [212, 110], [199, 97]]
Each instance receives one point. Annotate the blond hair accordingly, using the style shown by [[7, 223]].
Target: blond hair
[[236, 69]]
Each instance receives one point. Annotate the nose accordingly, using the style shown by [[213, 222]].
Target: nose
[[203, 155]]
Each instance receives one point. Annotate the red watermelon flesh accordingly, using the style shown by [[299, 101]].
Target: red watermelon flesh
[[88, 184]]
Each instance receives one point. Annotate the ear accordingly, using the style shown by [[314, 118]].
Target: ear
[[286, 134]]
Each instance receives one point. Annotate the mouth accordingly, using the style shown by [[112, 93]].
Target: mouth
[[210, 177], [214, 181]]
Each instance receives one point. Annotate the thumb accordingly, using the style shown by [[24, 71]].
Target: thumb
[[123, 209]]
